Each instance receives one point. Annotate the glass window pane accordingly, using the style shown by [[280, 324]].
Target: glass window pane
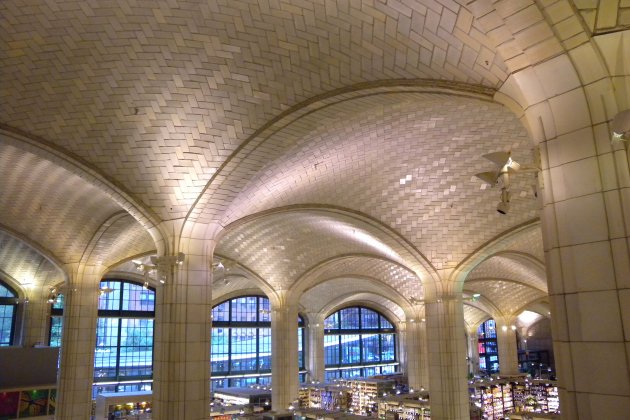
[[136, 347], [220, 355], [388, 347], [371, 350], [243, 349], [244, 309], [6, 292], [264, 310], [331, 375], [6, 324], [350, 349], [331, 350], [375, 342], [59, 302], [110, 301], [264, 349], [332, 322], [369, 319], [385, 324], [137, 298], [349, 318], [56, 328], [221, 312], [124, 334], [106, 348]]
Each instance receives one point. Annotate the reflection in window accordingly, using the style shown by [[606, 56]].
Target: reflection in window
[[8, 310], [241, 342], [487, 347], [358, 342], [124, 337]]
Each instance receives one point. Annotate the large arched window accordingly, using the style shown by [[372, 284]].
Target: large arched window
[[358, 342], [8, 311], [123, 359], [487, 347], [241, 343]]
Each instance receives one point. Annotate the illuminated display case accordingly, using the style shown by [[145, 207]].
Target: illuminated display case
[[413, 406], [497, 399]]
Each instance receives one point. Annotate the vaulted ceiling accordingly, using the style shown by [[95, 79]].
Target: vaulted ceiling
[[333, 143]]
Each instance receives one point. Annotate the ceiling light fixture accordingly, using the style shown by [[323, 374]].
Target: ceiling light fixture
[[501, 176], [620, 127]]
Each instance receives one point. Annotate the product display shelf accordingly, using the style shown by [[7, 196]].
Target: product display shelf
[[413, 406]]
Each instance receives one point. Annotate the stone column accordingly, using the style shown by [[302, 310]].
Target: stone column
[[508, 352], [182, 338], [416, 354], [284, 348], [446, 343], [315, 347], [37, 317], [76, 374], [473, 352]]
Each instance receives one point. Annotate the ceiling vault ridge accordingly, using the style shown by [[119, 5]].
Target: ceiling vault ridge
[[480, 279], [479, 255], [44, 252], [79, 166], [354, 214]]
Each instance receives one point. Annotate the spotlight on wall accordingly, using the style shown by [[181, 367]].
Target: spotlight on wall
[[620, 127]]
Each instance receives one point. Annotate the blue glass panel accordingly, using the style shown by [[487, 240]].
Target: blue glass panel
[[350, 349], [371, 371], [264, 310], [5, 292], [220, 356], [136, 347], [388, 369], [137, 298], [331, 375], [331, 349], [56, 328], [243, 349], [385, 323], [221, 312], [264, 348], [332, 322], [388, 347], [371, 350], [349, 319], [369, 319], [106, 348], [6, 324], [245, 309], [59, 302], [110, 301]]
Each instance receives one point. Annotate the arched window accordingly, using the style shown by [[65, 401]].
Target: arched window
[[487, 347], [358, 342], [241, 343], [8, 311], [123, 359]]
